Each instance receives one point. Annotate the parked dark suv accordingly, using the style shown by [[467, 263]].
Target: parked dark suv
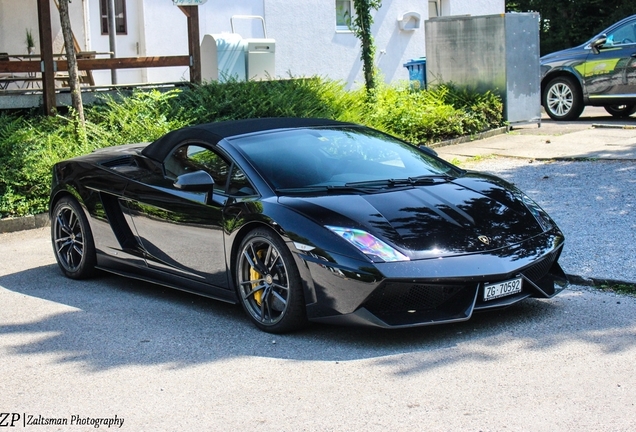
[[601, 72]]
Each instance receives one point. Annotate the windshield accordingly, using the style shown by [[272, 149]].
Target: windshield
[[334, 157]]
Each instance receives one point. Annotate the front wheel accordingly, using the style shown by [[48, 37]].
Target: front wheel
[[562, 99], [620, 111], [268, 283], [72, 239]]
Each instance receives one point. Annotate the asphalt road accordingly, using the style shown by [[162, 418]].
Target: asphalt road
[[162, 360], [165, 360]]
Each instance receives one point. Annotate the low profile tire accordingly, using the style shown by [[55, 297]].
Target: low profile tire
[[562, 99], [620, 111], [268, 283], [72, 239]]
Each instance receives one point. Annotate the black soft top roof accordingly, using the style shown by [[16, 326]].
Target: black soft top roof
[[214, 132]]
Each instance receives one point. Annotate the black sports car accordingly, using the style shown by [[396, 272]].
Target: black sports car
[[305, 220]]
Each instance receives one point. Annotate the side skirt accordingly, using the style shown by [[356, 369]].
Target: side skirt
[[167, 280]]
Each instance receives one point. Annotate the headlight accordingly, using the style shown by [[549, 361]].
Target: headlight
[[539, 214], [374, 248]]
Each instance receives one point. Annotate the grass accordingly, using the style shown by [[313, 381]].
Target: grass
[[619, 287], [472, 159]]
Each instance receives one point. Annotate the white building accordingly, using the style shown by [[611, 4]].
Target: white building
[[311, 36]]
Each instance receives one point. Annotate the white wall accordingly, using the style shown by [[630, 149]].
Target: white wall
[[16, 16], [163, 32], [307, 42], [476, 7], [126, 45]]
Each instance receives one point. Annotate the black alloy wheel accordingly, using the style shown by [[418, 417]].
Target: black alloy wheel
[[562, 99], [620, 111], [72, 239], [268, 283]]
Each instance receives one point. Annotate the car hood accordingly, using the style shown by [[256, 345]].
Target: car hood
[[436, 220], [577, 53]]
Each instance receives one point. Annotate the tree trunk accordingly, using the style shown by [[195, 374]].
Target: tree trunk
[[362, 29], [73, 72]]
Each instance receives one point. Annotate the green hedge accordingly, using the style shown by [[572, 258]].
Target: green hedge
[[30, 145]]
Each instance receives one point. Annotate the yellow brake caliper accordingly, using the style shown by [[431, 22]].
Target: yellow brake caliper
[[254, 275]]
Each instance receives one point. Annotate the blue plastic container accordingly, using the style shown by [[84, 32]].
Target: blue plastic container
[[417, 73]]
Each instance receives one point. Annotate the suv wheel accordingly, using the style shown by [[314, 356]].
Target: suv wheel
[[562, 99], [620, 111]]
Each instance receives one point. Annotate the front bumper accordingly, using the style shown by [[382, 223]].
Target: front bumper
[[436, 291]]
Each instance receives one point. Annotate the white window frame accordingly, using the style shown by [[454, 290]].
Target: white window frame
[[341, 26], [121, 20], [436, 5]]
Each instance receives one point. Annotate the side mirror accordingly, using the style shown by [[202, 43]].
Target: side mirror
[[197, 181], [598, 43]]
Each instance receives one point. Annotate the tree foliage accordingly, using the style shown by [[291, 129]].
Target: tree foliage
[[568, 23], [361, 27]]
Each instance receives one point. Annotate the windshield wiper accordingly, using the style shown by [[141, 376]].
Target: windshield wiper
[[325, 189], [429, 179], [409, 181], [367, 186]]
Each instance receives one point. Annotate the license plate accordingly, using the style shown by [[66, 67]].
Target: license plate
[[502, 289]]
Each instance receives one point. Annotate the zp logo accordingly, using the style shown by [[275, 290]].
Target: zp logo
[[9, 419]]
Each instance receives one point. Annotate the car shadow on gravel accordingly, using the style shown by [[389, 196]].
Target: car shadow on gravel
[[112, 321]]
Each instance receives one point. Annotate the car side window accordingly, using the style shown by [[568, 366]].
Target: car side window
[[192, 157], [239, 185], [625, 34]]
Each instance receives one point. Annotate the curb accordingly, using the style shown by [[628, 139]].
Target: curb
[[612, 126], [470, 138], [24, 223], [601, 283]]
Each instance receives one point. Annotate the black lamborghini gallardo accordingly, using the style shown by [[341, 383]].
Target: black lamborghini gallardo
[[304, 220]]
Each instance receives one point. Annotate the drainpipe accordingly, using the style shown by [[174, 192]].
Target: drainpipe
[[112, 33], [87, 26]]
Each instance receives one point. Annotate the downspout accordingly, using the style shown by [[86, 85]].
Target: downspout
[[141, 35], [87, 26], [112, 37]]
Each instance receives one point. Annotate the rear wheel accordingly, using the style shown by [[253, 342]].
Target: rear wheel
[[268, 283], [72, 239], [562, 99], [620, 111]]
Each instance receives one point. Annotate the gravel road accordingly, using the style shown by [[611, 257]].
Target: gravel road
[[593, 202]]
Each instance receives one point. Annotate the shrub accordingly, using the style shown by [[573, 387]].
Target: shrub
[[427, 116], [29, 148], [305, 97]]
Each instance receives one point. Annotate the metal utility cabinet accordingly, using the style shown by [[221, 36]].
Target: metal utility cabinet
[[499, 53], [223, 57], [260, 63], [228, 56]]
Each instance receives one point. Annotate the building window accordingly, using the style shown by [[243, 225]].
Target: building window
[[120, 16], [433, 9], [343, 15]]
